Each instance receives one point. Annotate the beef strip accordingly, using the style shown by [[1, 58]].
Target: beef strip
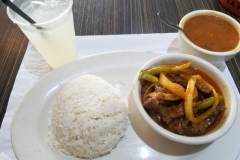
[[153, 103], [175, 77], [179, 126], [183, 126], [172, 112], [203, 88], [166, 109], [195, 106], [160, 88], [173, 118]]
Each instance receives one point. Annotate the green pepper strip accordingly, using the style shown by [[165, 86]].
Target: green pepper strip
[[148, 77], [167, 68], [208, 102]]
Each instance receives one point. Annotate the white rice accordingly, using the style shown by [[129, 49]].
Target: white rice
[[88, 117]]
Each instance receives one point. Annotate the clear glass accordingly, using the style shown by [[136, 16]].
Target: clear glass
[[56, 41]]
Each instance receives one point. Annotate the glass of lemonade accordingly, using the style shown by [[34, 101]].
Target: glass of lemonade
[[54, 38]]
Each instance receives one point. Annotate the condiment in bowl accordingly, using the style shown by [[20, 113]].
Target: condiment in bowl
[[212, 35]]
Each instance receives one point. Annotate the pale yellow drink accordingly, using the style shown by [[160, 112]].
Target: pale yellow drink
[[56, 42]]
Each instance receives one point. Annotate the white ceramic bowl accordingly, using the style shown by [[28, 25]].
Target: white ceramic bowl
[[228, 93], [216, 58]]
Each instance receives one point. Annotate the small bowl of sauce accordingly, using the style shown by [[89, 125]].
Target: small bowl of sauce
[[211, 35]]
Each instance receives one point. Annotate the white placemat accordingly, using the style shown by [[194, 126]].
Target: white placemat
[[34, 67]]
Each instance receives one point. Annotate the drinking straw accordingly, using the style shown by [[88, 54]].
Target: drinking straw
[[21, 13]]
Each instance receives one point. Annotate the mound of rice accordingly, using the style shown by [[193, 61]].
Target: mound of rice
[[88, 117]]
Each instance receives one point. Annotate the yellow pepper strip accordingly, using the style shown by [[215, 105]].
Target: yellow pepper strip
[[168, 68], [148, 77], [173, 87], [164, 96], [195, 92], [181, 67], [187, 77], [189, 100]]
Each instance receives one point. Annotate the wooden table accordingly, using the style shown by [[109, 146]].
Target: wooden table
[[102, 17]]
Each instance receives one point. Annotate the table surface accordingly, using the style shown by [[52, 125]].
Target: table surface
[[102, 17]]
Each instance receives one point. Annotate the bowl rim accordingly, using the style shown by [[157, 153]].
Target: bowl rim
[[216, 13], [229, 121]]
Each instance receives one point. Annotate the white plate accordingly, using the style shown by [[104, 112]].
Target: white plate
[[29, 125]]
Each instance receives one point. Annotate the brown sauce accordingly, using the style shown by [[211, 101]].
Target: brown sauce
[[212, 33]]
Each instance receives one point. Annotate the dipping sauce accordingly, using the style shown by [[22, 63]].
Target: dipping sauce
[[212, 33]]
